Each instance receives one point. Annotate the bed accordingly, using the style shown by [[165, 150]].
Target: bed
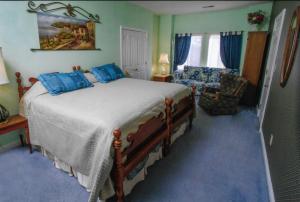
[[105, 132]]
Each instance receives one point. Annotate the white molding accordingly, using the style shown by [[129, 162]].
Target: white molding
[[9, 146], [267, 168], [272, 69]]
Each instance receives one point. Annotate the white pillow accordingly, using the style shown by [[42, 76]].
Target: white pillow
[[90, 77]]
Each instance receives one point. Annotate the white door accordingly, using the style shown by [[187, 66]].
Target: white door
[[271, 64], [134, 52]]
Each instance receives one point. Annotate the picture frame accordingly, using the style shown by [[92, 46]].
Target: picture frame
[[291, 45]]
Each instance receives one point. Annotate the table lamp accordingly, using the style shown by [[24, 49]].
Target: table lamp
[[3, 80], [164, 61]]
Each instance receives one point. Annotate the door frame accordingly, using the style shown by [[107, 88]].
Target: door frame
[[262, 109], [146, 51]]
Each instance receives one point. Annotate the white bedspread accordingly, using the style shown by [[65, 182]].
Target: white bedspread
[[77, 126]]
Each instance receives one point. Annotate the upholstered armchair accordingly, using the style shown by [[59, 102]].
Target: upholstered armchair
[[223, 100]]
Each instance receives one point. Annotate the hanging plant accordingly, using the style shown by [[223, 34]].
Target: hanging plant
[[256, 18]]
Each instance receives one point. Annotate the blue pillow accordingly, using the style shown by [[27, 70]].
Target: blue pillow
[[101, 74], [58, 83], [108, 72], [116, 71]]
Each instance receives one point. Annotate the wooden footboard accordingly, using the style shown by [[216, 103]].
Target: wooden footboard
[[150, 134], [184, 109], [180, 112]]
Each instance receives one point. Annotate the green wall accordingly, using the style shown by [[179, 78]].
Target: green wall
[[166, 23], [218, 21], [18, 33]]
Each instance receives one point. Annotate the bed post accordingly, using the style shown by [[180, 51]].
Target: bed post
[[76, 68], [19, 82], [194, 107], [169, 120], [119, 168]]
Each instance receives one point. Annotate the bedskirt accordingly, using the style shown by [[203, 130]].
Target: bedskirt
[[129, 183]]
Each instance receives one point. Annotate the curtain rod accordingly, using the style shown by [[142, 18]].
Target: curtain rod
[[199, 33]]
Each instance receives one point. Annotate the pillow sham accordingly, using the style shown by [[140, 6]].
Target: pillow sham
[[108, 72], [101, 74], [58, 83], [91, 77]]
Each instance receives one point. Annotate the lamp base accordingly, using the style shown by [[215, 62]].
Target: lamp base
[[4, 114], [163, 70]]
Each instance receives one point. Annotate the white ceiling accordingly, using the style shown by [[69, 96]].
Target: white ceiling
[[184, 7]]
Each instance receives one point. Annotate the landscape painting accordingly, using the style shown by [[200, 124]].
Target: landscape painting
[[65, 33]]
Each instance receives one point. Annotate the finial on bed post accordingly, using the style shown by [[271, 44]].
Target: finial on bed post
[[169, 120], [32, 80], [194, 107], [119, 168], [19, 82], [76, 68]]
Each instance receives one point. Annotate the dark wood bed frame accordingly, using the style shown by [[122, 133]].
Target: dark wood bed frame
[[156, 130]]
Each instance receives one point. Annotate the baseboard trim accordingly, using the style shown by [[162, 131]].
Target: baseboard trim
[[9, 146], [267, 168]]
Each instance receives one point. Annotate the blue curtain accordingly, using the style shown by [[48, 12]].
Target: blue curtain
[[182, 47], [230, 49]]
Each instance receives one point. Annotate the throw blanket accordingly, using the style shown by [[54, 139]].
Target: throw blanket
[[77, 126]]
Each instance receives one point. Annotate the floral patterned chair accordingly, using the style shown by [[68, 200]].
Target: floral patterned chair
[[224, 100], [201, 77]]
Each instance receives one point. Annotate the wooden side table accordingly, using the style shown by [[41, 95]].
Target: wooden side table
[[162, 78], [14, 123]]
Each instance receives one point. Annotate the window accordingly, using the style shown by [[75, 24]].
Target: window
[[194, 57], [213, 55], [204, 51]]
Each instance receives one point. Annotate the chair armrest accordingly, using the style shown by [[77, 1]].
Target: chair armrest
[[210, 89], [177, 75], [227, 96]]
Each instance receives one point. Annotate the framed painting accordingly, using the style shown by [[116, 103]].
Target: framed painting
[[291, 45], [65, 33]]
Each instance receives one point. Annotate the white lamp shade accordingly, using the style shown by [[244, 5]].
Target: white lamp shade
[[164, 59], [3, 75]]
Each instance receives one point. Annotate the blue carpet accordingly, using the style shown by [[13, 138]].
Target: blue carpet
[[219, 160]]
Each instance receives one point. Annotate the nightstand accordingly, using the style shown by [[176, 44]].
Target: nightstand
[[162, 78], [14, 123]]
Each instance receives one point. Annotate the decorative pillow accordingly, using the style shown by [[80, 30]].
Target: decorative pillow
[[112, 70], [101, 74], [118, 71], [214, 75], [58, 83], [204, 73], [195, 73]]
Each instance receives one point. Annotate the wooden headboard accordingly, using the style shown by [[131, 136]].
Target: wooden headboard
[[21, 88]]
